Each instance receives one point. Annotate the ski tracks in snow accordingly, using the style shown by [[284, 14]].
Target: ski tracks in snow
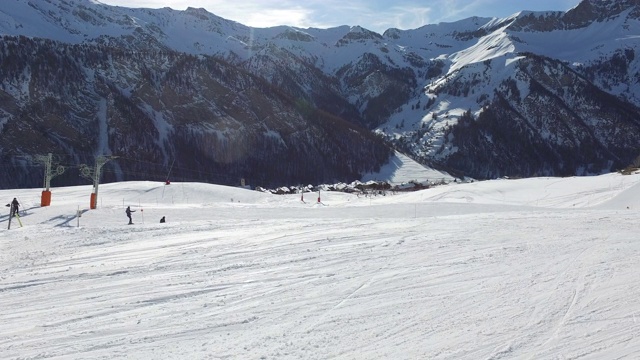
[[575, 275], [371, 279]]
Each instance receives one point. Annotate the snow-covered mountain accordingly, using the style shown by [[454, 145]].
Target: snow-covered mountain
[[534, 93]]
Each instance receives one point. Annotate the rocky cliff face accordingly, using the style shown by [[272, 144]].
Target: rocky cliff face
[[538, 94], [549, 93], [587, 131], [217, 122]]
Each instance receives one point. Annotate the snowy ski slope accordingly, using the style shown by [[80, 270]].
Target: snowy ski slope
[[543, 268]]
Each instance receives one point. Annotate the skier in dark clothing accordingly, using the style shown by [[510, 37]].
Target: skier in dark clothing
[[129, 211], [14, 206], [162, 220]]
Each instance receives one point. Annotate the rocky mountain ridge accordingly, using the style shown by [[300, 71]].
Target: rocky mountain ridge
[[537, 93]]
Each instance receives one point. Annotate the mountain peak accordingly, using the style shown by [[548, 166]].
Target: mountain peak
[[190, 78], [359, 34], [589, 11], [584, 14]]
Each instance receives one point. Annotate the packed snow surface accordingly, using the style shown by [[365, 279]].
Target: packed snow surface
[[543, 268]]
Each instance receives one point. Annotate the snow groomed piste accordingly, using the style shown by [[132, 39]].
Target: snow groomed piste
[[540, 268]]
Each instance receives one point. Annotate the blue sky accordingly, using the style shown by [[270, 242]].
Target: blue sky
[[376, 15]]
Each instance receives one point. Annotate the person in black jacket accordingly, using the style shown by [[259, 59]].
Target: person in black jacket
[[14, 207], [129, 211], [162, 220]]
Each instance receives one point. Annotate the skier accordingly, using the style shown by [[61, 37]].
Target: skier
[[14, 207], [162, 220], [129, 211]]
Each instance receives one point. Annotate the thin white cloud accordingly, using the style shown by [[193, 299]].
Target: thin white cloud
[[376, 15], [409, 17], [269, 17], [259, 14], [366, 14], [456, 9], [311, 13]]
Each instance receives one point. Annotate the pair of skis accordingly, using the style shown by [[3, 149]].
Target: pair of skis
[[17, 216]]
